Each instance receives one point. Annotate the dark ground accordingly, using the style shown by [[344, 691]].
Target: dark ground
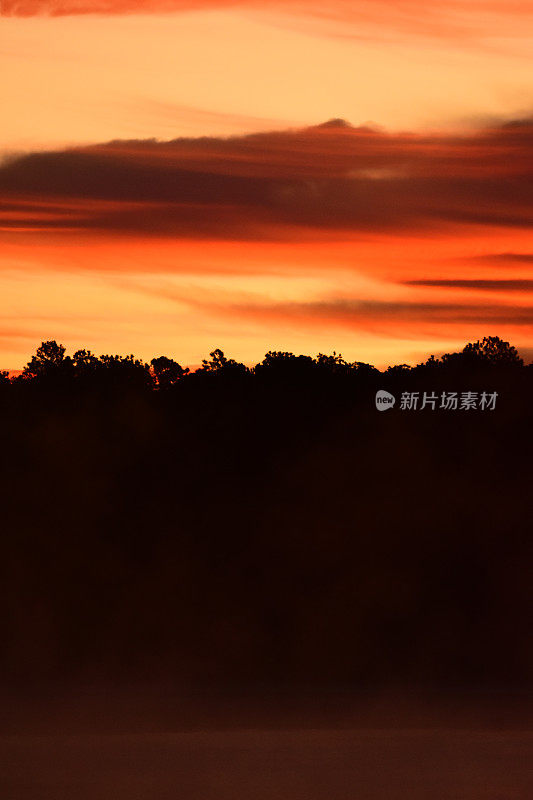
[[271, 538]]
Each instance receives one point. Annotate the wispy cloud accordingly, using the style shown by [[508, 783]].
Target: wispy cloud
[[389, 318], [457, 19], [264, 186], [498, 285], [501, 259]]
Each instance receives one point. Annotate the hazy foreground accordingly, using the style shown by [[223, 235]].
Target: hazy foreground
[[157, 745], [286, 765]]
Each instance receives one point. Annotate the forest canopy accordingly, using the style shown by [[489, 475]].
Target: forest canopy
[[51, 361], [266, 525]]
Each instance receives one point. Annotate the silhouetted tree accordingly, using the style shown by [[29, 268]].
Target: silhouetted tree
[[398, 369], [494, 351], [432, 363], [333, 363], [48, 360], [490, 352], [362, 368], [167, 371], [283, 363], [85, 362], [126, 370], [219, 363]]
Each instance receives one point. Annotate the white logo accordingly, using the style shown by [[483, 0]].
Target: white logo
[[384, 400]]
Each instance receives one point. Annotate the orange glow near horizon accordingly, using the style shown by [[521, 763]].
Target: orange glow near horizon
[[305, 298]]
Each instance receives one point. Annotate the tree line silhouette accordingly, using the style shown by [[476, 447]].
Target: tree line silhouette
[[50, 362], [241, 525]]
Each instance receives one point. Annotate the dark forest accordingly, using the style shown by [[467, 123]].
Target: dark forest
[[266, 525]]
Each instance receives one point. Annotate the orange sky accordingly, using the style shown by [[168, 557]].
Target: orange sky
[[404, 233]]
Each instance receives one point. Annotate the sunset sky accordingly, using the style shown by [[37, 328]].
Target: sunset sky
[[177, 176]]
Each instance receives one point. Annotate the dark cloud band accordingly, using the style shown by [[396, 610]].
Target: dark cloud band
[[326, 178]]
